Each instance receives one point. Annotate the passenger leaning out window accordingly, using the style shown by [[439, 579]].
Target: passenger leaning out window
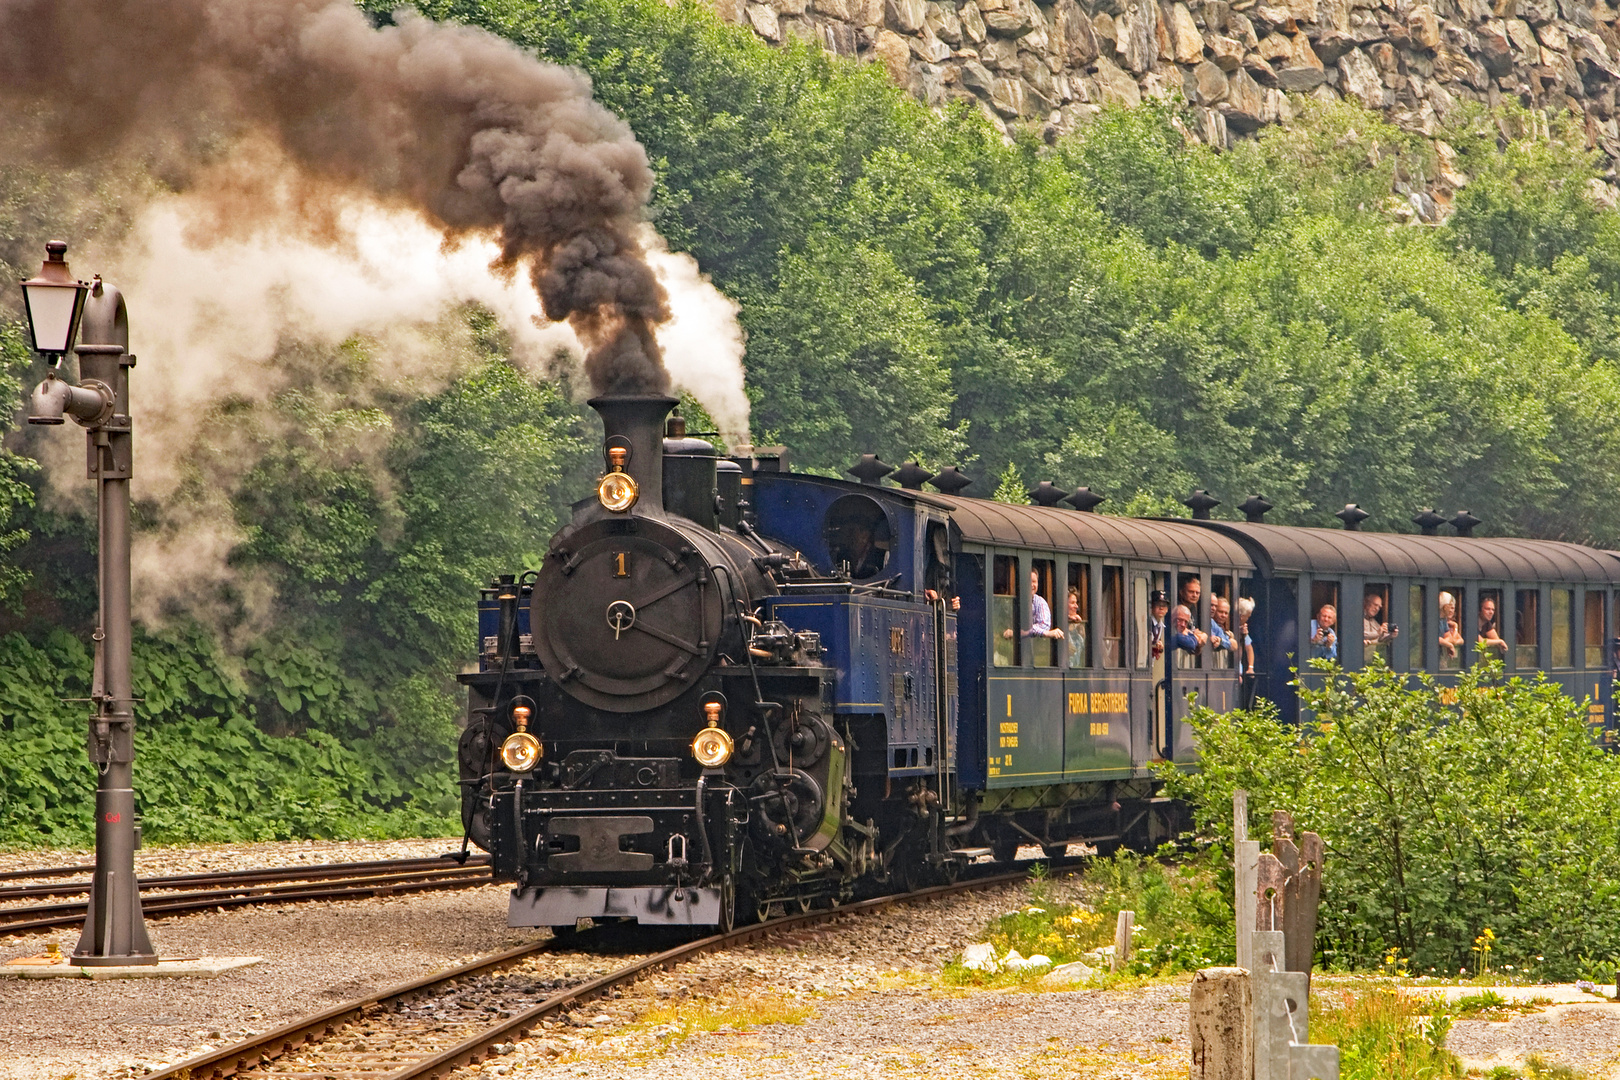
[[1220, 631], [1451, 638], [1374, 632], [1489, 632], [1324, 634]]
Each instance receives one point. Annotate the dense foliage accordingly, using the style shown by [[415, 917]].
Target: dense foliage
[[1123, 309], [1447, 812]]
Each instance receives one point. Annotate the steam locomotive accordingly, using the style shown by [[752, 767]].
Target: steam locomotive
[[732, 688]]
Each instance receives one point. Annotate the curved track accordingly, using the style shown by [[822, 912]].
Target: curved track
[[412, 1031], [184, 893]]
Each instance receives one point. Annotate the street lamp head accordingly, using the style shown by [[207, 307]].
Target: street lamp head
[[55, 300]]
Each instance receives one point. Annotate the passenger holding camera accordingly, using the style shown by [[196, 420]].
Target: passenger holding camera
[[1324, 636], [1373, 631]]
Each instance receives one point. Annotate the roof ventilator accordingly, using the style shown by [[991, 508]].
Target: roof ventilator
[[1201, 503], [1254, 508], [1045, 494], [1464, 523], [951, 480], [1429, 521], [912, 476], [1085, 500], [869, 470], [1352, 516]]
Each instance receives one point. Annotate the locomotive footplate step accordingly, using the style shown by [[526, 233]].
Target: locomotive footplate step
[[562, 905], [62, 967]]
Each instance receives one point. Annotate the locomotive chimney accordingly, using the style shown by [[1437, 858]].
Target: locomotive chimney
[[635, 422]]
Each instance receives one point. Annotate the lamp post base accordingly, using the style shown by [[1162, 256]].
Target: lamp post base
[[111, 961]]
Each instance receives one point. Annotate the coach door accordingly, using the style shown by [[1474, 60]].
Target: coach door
[[1150, 660], [1097, 678]]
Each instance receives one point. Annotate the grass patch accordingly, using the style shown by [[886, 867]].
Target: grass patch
[[1383, 1034], [1537, 1068], [1183, 920], [1489, 1005], [674, 1022]]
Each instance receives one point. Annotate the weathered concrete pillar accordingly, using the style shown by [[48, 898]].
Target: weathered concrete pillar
[[1122, 939], [1222, 1025]]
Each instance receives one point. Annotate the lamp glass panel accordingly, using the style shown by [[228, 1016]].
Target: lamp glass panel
[[50, 315]]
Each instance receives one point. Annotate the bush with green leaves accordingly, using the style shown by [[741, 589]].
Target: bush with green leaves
[[1446, 810], [205, 769]]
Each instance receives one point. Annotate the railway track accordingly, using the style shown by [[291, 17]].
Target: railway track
[[185, 893], [435, 1025]]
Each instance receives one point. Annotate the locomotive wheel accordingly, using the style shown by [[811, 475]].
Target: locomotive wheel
[[728, 904], [1004, 850]]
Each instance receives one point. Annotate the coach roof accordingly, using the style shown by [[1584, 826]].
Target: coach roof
[[983, 521], [1293, 549]]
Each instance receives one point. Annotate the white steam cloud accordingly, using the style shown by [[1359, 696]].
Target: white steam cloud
[[210, 316]]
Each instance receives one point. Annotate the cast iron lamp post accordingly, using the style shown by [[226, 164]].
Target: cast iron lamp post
[[58, 306]]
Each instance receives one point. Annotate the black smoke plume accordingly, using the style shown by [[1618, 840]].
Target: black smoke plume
[[451, 121]]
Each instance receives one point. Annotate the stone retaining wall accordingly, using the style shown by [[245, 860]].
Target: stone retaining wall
[[1236, 61]]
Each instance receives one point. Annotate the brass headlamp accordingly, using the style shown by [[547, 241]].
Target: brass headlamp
[[617, 490], [521, 751], [713, 746]]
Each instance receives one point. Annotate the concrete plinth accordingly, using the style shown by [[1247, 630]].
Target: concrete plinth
[[59, 967]]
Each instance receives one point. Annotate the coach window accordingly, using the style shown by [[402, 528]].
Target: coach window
[[1488, 623], [1042, 642], [1448, 627], [1377, 632], [1417, 608], [1221, 614], [1004, 611], [1562, 614], [1326, 625], [1113, 616], [1139, 597], [1594, 630], [1077, 618], [1526, 629]]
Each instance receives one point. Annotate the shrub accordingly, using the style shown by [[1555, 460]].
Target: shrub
[[1449, 814]]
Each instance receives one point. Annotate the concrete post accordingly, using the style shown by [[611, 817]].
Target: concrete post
[[1122, 939], [1221, 1025], [1246, 860]]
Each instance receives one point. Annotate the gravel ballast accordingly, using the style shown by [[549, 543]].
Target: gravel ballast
[[860, 997]]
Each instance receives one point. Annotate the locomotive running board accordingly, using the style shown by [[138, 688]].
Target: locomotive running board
[[562, 905]]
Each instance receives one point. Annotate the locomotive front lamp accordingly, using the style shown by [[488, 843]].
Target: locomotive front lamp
[[521, 751], [54, 300], [713, 745], [617, 491]]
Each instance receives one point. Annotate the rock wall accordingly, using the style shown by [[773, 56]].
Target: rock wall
[[1236, 61]]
